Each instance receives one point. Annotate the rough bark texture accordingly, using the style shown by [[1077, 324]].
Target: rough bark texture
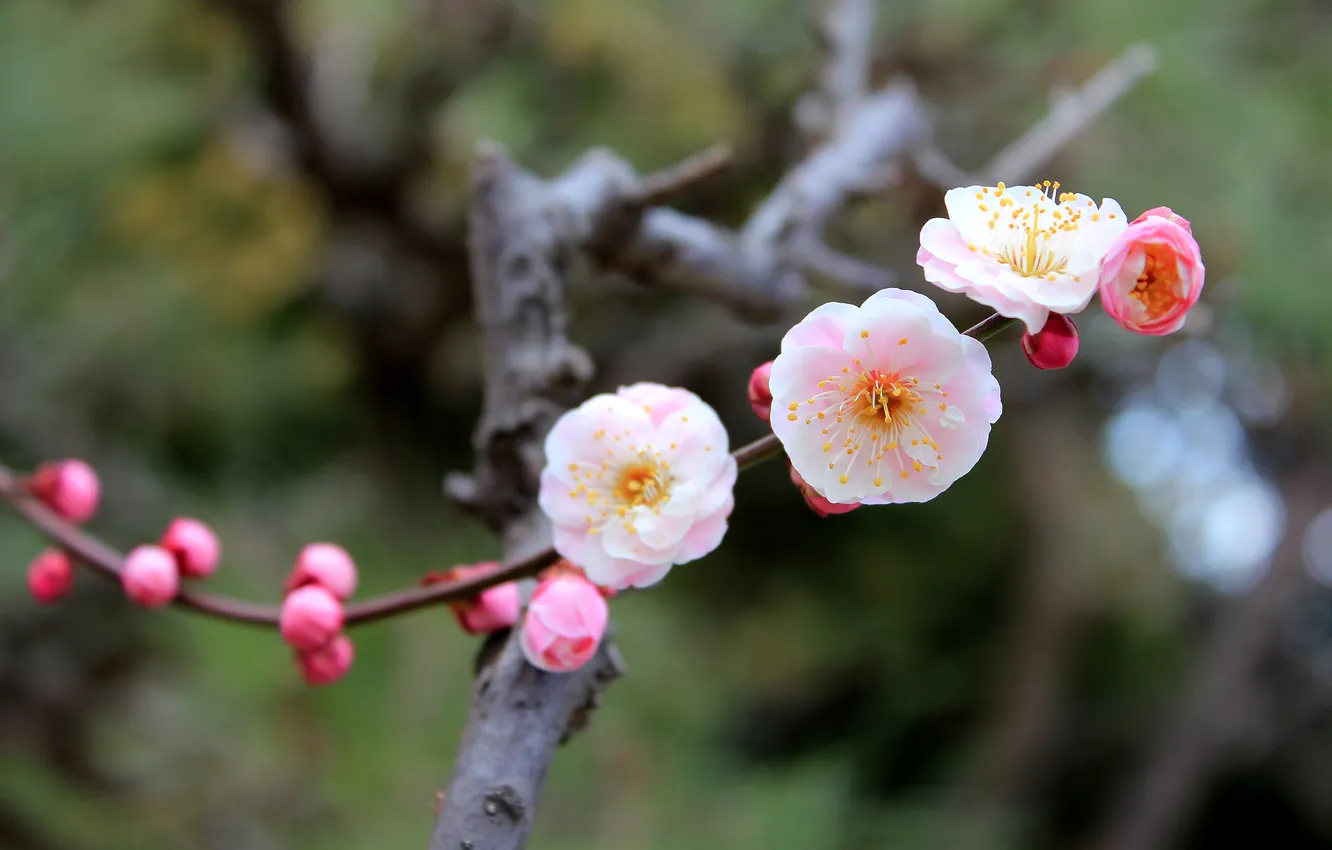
[[519, 715]]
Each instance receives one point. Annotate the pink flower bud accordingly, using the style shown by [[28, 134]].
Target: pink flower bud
[[194, 546], [1055, 346], [311, 617], [564, 624], [494, 609], [817, 503], [760, 397], [1153, 274], [328, 663], [150, 576], [327, 565], [68, 487], [50, 576]]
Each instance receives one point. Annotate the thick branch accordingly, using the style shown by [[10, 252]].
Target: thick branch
[[521, 254]]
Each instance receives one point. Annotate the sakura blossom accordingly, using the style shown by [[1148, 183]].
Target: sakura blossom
[[1025, 251], [886, 402], [565, 622], [1153, 274], [636, 482]]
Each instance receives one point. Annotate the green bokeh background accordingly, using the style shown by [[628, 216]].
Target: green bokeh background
[[188, 308]]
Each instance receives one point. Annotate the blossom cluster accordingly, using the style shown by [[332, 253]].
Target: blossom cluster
[[883, 402]]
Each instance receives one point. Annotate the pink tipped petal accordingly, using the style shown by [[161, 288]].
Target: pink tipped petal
[[898, 415], [629, 475], [1167, 213], [310, 617], [328, 663], [194, 546], [150, 576], [50, 576], [565, 622], [1153, 275]]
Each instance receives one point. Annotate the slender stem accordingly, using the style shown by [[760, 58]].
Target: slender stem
[[108, 561], [990, 327]]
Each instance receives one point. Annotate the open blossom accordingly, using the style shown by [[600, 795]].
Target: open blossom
[[636, 482], [1153, 273], [565, 621], [885, 402], [1025, 251]]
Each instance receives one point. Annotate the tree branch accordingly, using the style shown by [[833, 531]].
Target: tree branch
[[1071, 114]]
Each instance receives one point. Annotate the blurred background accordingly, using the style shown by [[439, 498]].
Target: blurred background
[[247, 299]]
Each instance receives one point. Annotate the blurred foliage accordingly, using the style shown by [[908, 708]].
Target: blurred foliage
[[174, 307]]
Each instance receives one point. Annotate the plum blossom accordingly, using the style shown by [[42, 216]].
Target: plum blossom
[[1025, 251], [565, 622], [637, 482], [881, 403], [1153, 273]]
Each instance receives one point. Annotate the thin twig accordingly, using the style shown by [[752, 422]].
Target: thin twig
[[1071, 114], [669, 183]]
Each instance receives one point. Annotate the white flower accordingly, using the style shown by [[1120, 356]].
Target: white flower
[[1025, 251], [885, 402], [636, 482]]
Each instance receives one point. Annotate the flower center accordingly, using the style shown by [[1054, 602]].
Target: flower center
[[888, 396], [1157, 289], [641, 483], [1033, 223]]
